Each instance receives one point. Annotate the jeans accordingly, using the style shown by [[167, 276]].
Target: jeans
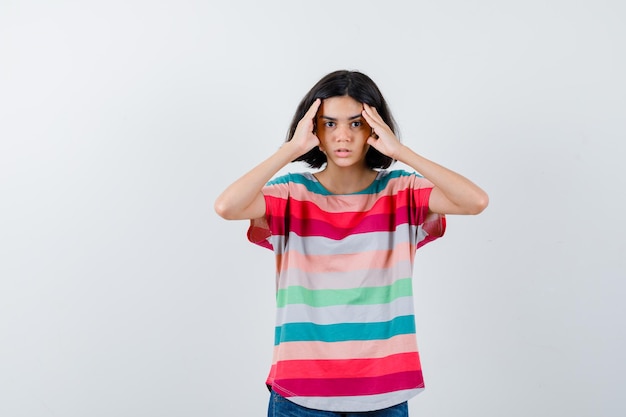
[[281, 407]]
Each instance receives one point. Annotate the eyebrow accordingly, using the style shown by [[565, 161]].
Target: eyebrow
[[334, 119]]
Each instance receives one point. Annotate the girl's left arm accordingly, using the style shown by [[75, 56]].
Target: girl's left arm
[[452, 192]]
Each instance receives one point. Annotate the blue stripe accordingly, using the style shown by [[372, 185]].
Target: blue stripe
[[309, 332], [312, 185]]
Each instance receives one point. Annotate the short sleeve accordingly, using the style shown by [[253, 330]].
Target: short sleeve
[[431, 225], [262, 230], [259, 233]]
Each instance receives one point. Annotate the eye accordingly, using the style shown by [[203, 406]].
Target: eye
[[357, 124], [329, 124]]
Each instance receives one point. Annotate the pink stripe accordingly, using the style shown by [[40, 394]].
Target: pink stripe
[[341, 387], [305, 219], [435, 226], [337, 204], [337, 231], [349, 368], [382, 205], [346, 350], [351, 279]]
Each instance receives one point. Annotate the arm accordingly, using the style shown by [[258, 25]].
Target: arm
[[452, 193], [243, 198]]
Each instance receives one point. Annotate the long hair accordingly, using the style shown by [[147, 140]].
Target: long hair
[[345, 83]]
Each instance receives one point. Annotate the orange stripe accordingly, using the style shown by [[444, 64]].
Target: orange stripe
[[346, 350], [338, 203]]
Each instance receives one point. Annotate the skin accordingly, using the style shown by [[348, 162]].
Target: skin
[[345, 138], [343, 134]]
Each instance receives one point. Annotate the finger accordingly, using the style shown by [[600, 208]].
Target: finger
[[313, 109], [376, 122], [372, 142], [371, 121], [373, 113], [369, 111]]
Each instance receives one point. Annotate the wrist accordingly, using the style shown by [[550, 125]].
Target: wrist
[[290, 150], [401, 153]]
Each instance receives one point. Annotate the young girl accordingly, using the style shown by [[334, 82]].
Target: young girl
[[345, 238]]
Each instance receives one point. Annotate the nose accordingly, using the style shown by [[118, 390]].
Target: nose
[[343, 133]]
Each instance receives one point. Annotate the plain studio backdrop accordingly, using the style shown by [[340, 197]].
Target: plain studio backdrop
[[123, 294]]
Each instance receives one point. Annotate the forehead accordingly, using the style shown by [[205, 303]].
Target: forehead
[[340, 107]]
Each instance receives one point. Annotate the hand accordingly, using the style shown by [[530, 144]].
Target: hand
[[304, 138], [382, 139]]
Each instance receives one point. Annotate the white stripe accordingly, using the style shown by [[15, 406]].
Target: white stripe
[[300, 313], [358, 403]]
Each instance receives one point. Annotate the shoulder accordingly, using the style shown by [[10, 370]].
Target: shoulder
[[386, 175], [298, 178], [299, 184], [402, 179], [291, 180]]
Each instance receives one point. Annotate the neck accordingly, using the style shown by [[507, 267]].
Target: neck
[[346, 180]]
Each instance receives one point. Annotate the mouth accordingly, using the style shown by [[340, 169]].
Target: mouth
[[342, 152]]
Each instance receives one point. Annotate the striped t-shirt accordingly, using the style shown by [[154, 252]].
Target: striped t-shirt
[[345, 324]]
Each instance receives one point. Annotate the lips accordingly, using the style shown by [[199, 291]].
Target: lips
[[342, 152]]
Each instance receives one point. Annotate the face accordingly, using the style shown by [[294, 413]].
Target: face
[[342, 131]]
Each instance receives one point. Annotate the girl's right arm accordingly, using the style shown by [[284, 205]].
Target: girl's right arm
[[243, 198]]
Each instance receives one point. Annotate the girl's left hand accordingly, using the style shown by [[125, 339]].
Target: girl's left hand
[[382, 139]]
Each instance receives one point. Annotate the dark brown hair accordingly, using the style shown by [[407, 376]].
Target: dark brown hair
[[345, 83]]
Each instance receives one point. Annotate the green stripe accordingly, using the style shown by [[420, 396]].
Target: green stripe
[[351, 296]]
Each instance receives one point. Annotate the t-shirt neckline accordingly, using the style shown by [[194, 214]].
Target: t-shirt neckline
[[366, 190]]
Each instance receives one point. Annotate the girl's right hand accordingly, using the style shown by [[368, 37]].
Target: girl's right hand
[[304, 138]]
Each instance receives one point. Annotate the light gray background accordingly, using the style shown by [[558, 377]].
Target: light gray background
[[123, 294]]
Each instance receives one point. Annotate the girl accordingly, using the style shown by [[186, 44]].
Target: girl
[[345, 239]]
